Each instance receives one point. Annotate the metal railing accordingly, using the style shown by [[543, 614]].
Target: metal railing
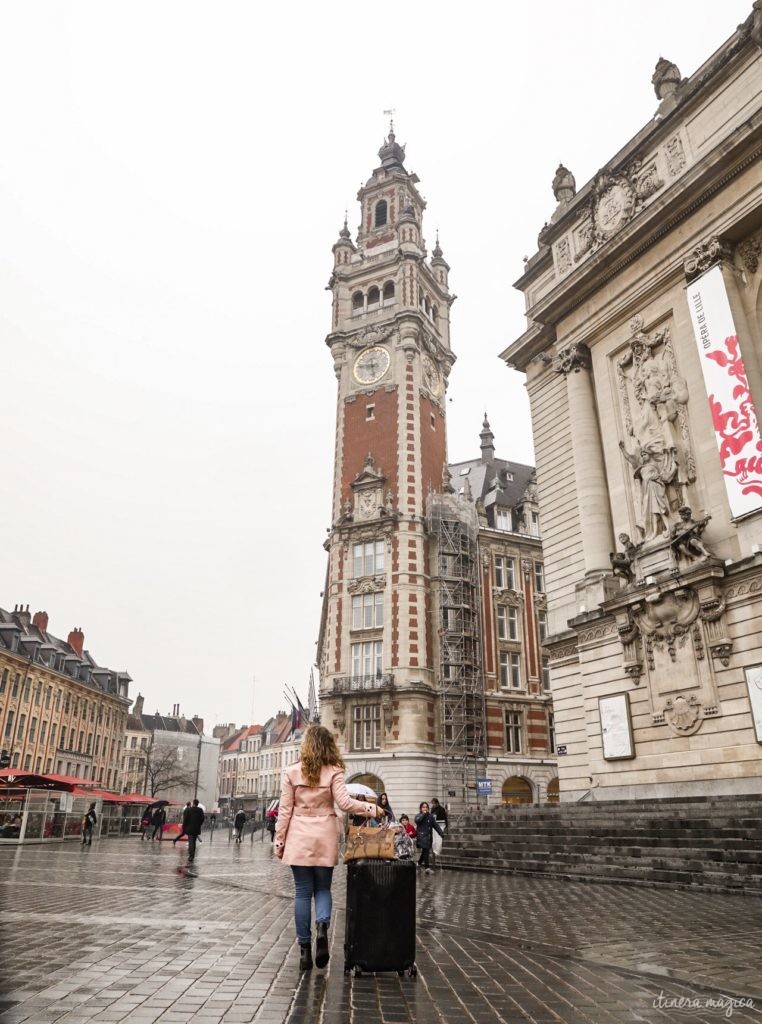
[[346, 684]]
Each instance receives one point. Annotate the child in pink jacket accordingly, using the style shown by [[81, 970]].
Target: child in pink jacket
[[306, 836]]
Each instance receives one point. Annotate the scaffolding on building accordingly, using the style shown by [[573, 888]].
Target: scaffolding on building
[[454, 528]]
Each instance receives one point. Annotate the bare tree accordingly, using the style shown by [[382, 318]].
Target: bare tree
[[164, 770]]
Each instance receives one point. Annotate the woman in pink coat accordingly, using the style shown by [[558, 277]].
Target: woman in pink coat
[[306, 837]]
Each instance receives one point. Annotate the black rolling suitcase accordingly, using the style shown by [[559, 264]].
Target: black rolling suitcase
[[380, 928]]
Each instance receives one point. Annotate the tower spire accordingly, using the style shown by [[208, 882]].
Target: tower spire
[[487, 441]]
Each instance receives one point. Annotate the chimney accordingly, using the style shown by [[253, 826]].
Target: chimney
[[76, 639], [22, 614], [198, 722], [137, 709], [40, 620]]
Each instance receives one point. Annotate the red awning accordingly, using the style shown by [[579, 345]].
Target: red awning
[[28, 780], [70, 780], [99, 794]]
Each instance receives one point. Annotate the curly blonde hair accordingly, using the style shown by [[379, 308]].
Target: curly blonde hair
[[318, 749]]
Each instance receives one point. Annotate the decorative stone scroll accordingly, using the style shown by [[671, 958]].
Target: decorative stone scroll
[[704, 256], [653, 397]]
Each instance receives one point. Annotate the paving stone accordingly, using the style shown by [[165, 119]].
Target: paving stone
[[127, 934]]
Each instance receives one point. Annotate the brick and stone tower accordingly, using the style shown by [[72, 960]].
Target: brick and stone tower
[[390, 342]]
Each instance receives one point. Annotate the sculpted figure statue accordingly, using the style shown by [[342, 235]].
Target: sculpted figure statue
[[621, 561], [686, 536], [653, 475]]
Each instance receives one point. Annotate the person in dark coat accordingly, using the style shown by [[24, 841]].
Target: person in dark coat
[[158, 818], [238, 822], [183, 829], [272, 823], [440, 814], [193, 828], [88, 824], [426, 825]]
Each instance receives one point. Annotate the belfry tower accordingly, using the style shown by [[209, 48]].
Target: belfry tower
[[390, 343]]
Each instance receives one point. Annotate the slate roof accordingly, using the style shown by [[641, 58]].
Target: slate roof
[[56, 654], [497, 482]]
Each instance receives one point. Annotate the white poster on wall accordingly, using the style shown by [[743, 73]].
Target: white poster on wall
[[754, 684], [735, 421], [616, 727]]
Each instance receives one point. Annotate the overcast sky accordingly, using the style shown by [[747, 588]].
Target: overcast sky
[[172, 179]]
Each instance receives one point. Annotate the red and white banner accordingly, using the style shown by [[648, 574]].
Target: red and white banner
[[735, 421]]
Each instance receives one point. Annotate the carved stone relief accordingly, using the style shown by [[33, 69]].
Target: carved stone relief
[[675, 155], [563, 256], [653, 397], [366, 584], [750, 251], [666, 635], [613, 204], [371, 336]]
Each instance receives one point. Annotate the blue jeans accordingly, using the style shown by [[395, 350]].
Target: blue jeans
[[309, 882]]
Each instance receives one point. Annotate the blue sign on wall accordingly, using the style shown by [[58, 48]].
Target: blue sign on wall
[[484, 787]]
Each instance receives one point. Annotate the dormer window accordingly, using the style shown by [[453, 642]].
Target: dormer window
[[382, 212]]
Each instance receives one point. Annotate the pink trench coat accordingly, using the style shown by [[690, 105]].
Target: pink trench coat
[[307, 820]]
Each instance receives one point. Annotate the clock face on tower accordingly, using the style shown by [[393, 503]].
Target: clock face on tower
[[431, 375], [371, 365]]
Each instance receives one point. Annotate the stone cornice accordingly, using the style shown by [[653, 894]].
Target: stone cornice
[[684, 196], [651, 135]]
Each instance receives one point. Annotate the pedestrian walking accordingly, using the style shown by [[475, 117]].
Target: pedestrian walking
[[238, 822], [158, 818], [183, 829], [386, 807], [306, 837], [193, 828], [89, 822], [426, 825], [440, 814], [272, 822], [145, 824]]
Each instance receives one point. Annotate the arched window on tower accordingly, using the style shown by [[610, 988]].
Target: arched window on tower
[[434, 313], [358, 301], [374, 297], [389, 291], [381, 213]]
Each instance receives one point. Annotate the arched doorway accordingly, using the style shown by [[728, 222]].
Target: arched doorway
[[517, 790], [552, 792], [369, 779]]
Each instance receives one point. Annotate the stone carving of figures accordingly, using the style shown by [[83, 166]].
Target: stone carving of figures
[[653, 471], [686, 536], [621, 561]]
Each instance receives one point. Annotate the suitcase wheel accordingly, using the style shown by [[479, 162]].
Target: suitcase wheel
[[356, 971], [413, 972]]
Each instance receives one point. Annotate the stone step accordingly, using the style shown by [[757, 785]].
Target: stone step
[[710, 842]]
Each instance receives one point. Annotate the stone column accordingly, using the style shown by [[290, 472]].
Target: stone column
[[592, 488]]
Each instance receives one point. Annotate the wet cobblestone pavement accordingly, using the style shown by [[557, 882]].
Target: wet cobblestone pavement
[[123, 932]]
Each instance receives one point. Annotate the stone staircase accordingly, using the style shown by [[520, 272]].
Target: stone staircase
[[713, 843]]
